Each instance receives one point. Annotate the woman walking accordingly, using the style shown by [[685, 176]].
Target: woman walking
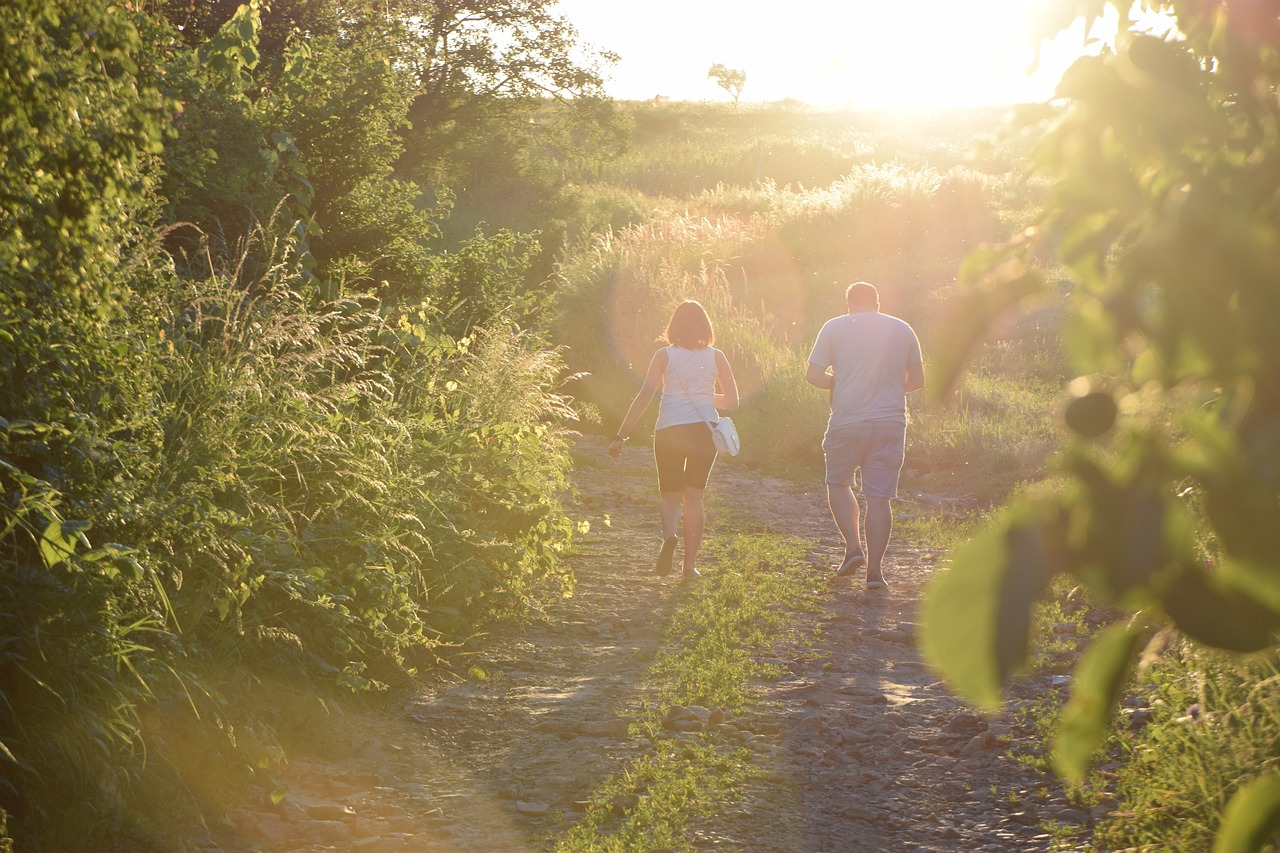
[[688, 369]]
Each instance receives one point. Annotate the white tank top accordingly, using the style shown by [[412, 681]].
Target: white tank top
[[688, 387]]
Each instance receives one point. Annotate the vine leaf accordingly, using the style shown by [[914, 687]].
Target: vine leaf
[[1211, 612], [1251, 817], [58, 542], [977, 614], [1098, 681]]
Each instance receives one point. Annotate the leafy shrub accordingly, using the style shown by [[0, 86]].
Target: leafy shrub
[[1160, 209], [1214, 727]]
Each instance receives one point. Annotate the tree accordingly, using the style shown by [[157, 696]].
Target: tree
[[730, 79], [1165, 209], [475, 60], [75, 148]]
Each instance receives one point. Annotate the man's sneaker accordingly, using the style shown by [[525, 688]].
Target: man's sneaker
[[849, 568], [665, 555], [691, 574]]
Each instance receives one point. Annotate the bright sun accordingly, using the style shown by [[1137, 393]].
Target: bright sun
[[858, 53], [915, 54]]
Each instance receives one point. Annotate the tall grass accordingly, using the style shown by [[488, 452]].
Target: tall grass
[[309, 489], [1215, 722], [354, 455], [770, 261]]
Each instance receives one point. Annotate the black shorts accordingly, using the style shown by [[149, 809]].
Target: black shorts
[[684, 455]]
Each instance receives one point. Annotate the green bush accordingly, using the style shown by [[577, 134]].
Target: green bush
[[1214, 725], [212, 473]]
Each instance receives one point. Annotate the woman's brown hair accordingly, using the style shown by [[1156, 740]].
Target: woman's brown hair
[[690, 327]]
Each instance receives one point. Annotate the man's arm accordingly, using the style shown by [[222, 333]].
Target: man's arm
[[817, 376], [914, 379]]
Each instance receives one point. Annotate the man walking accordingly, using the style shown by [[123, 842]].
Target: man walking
[[870, 362]]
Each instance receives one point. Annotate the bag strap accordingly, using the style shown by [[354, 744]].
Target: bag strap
[[689, 395]]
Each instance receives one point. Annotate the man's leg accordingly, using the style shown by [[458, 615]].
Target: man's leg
[[847, 516], [879, 528]]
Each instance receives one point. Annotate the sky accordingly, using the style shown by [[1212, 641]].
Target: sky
[[907, 54]]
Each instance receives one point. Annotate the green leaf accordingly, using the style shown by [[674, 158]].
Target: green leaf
[[1251, 817], [58, 542], [1098, 682], [1253, 578], [977, 614], [1211, 612], [1000, 290]]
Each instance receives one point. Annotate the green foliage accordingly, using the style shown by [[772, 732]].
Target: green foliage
[[484, 55], [83, 616], [214, 468], [79, 120], [222, 175], [1200, 773], [1100, 680], [487, 281], [367, 543], [377, 242], [346, 104], [1163, 210], [1252, 818]]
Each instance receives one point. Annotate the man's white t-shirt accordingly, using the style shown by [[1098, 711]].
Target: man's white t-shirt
[[869, 353]]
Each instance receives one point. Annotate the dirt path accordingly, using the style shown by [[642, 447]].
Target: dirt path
[[879, 755]]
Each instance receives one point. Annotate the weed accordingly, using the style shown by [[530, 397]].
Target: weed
[[1214, 727], [737, 615]]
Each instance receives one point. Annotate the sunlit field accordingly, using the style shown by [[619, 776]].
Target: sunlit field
[[764, 215], [309, 311]]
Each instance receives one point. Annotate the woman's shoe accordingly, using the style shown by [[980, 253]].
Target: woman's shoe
[[691, 574], [665, 555]]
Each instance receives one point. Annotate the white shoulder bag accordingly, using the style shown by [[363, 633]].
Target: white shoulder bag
[[723, 433]]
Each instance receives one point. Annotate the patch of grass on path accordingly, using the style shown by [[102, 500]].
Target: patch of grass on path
[[743, 610]]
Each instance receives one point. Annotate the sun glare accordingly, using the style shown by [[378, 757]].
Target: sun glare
[[906, 54], [918, 55]]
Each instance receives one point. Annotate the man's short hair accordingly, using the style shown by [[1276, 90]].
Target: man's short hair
[[862, 295]]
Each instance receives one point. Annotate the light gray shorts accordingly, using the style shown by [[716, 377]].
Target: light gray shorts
[[875, 448]]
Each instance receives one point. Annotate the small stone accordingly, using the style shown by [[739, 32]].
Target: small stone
[[1072, 816], [330, 811], [614, 728], [684, 725], [1027, 817], [529, 809], [624, 803]]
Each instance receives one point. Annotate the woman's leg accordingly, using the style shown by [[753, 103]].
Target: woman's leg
[[694, 518], [670, 510], [670, 460]]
